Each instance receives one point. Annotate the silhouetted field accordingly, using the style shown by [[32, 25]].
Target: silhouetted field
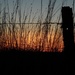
[[16, 62], [35, 37], [22, 62]]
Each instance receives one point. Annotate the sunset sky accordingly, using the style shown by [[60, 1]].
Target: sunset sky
[[30, 34]]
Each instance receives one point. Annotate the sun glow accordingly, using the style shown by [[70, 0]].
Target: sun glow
[[31, 25], [33, 40]]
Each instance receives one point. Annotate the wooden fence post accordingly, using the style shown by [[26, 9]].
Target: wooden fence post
[[68, 29]]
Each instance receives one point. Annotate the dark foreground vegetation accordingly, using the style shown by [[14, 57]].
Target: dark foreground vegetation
[[16, 62]]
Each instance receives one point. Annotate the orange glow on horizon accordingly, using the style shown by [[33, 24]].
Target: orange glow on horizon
[[35, 42]]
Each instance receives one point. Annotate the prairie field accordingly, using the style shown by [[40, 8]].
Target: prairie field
[[32, 25]]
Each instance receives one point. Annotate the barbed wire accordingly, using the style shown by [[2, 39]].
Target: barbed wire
[[36, 23], [33, 23]]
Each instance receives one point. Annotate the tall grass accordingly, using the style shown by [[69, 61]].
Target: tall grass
[[26, 34]]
